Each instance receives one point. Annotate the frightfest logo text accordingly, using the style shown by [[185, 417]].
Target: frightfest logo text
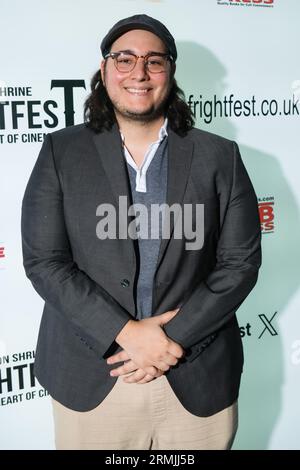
[[19, 109]]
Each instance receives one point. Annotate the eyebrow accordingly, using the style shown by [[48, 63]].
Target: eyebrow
[[130, 51]]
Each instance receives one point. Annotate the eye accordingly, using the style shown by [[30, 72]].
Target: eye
[[155, 61], [123, 59]]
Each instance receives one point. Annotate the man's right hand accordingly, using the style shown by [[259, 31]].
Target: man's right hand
[[147, 344]]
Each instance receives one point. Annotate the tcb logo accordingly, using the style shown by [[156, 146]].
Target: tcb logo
[[266, 215]]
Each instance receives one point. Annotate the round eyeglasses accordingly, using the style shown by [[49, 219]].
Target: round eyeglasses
[[154, 62]]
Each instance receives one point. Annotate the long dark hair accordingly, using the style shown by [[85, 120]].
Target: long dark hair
[[99, 112]]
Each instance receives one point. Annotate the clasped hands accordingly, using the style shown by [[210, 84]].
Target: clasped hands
[[147, 350]]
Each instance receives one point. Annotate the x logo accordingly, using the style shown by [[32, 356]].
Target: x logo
[[268, 325]]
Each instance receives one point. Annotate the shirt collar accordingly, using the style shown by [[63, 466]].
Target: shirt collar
[[161, 134], [163, 130]]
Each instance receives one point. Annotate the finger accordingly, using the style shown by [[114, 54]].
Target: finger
[[151, 370], [119, 357], [159, 374], [149, 377], [146, 379], [176, 350], [126, 368], [166, 360], [163, 366], [169, 360], [136, 376], [167, 316]]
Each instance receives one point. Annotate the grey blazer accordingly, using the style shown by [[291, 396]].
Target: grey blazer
[[88, 284]]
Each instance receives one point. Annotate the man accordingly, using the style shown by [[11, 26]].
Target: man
[[139, 344]]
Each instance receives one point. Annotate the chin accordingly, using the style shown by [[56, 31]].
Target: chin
[[140, 114]]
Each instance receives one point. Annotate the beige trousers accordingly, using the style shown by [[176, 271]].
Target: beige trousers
[[143, 416]]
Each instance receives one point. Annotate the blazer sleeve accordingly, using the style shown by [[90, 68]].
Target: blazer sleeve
[[215, 300], [49, 265]]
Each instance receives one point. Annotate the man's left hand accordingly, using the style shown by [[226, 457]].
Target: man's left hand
[[137, 375]]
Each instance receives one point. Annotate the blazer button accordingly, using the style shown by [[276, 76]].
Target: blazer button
[[125, 283]]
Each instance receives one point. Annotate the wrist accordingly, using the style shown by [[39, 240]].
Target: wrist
[[124, 333]]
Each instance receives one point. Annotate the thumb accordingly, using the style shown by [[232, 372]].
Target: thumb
[[167, 316]]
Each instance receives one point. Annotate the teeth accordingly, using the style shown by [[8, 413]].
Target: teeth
[[139, 91]]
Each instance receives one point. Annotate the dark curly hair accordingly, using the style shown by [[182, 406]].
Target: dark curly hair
[[99, 112]]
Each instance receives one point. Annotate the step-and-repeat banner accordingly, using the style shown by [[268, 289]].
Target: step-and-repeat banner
[[239, 68]]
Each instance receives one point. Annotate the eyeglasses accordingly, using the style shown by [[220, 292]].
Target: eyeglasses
[[154, 62]]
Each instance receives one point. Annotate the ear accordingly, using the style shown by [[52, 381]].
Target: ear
[[102, 71]]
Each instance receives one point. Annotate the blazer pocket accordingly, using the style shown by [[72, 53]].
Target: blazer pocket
[[198, 348]]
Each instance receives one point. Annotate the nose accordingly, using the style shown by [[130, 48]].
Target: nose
[[140, 71]]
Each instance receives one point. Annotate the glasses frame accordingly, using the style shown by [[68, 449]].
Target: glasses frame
[[115, 55]]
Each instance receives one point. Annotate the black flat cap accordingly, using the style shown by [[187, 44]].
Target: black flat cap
[[139, 22]]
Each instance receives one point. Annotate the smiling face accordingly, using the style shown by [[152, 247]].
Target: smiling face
[[137, 95]]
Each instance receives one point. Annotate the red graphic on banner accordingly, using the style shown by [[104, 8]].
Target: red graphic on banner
[[266, 214], [2, 254]]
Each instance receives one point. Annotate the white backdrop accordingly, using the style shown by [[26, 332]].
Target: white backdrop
[[240, 60]]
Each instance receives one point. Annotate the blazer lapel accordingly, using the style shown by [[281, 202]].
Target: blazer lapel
[[109, 147]]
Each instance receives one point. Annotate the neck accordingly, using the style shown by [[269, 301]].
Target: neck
[[140, 131]]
